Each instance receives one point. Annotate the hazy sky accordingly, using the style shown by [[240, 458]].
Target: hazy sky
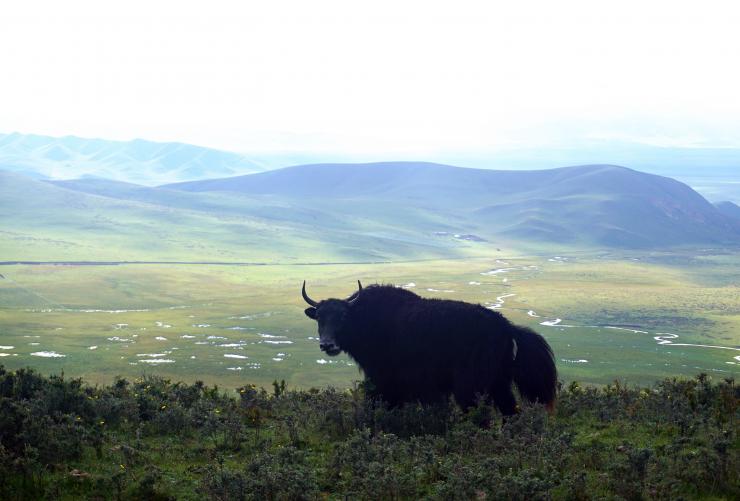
[[397, 76]]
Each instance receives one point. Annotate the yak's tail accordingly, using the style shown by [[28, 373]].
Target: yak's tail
[[534, 368]]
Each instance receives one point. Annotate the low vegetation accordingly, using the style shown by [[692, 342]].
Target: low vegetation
[[152, 438]]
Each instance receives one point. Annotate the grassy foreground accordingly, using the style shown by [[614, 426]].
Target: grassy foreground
[[154, 439]]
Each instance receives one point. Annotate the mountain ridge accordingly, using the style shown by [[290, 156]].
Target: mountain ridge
[[146, 162], [367, 212], [615, 203], [729, 209]]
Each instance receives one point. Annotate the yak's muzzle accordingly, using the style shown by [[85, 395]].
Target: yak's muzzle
[[330, 349]]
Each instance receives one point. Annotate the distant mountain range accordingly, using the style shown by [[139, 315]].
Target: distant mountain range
[[729, 209], [713, 172], [139, 161], [324, 212]]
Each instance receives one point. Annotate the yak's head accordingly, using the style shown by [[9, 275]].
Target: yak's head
[[332, 316]]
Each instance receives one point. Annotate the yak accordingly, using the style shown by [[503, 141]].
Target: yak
[[413, 349]]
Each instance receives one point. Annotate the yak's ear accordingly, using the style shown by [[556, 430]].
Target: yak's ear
[[310, 313]]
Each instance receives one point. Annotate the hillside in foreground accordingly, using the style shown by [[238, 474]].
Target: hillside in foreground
[[154, 439]]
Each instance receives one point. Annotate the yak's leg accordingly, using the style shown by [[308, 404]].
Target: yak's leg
[[503, 398], [463, 389]]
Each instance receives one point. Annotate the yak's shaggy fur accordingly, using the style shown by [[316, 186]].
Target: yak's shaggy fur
[[416, 349]]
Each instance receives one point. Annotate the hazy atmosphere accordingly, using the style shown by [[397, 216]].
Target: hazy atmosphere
[[424, 80], [382, 250]]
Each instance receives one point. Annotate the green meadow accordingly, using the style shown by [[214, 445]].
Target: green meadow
[[636, 317]]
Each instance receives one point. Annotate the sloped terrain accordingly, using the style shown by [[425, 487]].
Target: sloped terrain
[[602, 205], [140, 161], [151, 438], [99, 220], [363, 212], [729, 209]]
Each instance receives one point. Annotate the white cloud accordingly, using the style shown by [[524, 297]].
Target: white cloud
[[396, 77]]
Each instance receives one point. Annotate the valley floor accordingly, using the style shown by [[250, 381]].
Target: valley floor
[[631, 316]]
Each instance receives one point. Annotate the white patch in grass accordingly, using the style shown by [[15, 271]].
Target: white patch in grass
[[7, 347], [157, 361], [119, 339], [666, 337], [160, 338], [231, 355], [277, 342], [95, 311], [47, 354], [497, 271], [551, 323], [625, 329], [499, 302], [254, 316]]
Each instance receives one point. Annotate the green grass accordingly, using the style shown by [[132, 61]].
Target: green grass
[[50, 305], [44, 222], [150, 438]]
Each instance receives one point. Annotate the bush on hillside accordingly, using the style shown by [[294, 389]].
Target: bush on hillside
[[152, 438]]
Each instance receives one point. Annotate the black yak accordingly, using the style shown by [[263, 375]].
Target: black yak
[[415, 349]]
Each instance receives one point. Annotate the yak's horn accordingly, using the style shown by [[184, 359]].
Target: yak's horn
[[354, 296], [306, 298]]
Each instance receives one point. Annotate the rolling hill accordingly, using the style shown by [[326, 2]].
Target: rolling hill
[[602, 205], [729, 209], [354, 212], [100, 220], [139, 161]]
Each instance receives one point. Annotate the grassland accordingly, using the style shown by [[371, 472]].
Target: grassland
[[611, 309], [150, 438]]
